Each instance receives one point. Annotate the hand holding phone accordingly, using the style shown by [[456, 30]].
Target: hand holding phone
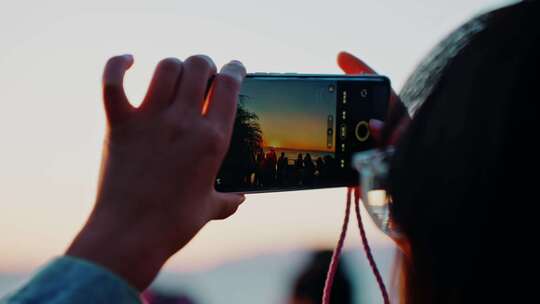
[[156, 188], [398, 116]]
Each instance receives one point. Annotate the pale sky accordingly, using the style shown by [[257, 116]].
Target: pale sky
[[52, 122]]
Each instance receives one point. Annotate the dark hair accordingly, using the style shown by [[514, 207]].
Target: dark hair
[[310, 282], [468, 158]]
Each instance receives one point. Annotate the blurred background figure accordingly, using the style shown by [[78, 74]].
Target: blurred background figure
[[308, 286]]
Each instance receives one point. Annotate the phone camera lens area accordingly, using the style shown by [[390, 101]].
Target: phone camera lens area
[[364, 93]]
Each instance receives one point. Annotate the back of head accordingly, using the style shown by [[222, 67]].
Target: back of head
[[309, 285], [462, 176]]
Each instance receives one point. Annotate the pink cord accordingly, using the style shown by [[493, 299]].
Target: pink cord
[[337, 252], [367, 249]]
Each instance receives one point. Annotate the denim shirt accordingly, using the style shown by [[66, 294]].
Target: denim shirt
[[72, 280]]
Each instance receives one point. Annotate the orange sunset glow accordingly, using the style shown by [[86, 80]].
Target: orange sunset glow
[[292, 115]]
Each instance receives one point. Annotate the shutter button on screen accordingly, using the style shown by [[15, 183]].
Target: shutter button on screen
[[362, 131]]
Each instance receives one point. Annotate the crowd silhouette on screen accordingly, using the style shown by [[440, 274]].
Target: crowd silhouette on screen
[[271, 170], [248, 166]]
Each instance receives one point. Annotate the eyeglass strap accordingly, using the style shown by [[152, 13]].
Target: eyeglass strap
[[337, 251], [367, 248]]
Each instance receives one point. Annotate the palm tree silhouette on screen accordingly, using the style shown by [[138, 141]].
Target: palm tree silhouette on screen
[[240, 164]]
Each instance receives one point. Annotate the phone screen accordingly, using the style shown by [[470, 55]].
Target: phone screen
[[299, 132]]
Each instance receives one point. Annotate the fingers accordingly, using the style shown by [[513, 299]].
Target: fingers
[[352, 65], [223, 96], [396, 122], [163, 85], [227, 204], [382, 133], [193, 85], [375, 129], [117, 105], [398, 131]]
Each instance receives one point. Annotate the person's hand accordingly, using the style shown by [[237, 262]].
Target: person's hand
[[387, 133], [397, 118], [160, 160]]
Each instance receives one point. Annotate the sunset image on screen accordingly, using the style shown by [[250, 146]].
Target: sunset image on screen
[[284, 135]]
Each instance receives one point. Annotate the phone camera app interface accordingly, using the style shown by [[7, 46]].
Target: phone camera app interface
[[295, 133], [284, 135]]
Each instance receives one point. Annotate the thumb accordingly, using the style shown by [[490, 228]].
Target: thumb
[[227, 204]]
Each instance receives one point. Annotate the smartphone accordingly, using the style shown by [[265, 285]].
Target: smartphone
[[299, 131]]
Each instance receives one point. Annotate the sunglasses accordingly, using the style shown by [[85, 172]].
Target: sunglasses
[[373, 167]]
